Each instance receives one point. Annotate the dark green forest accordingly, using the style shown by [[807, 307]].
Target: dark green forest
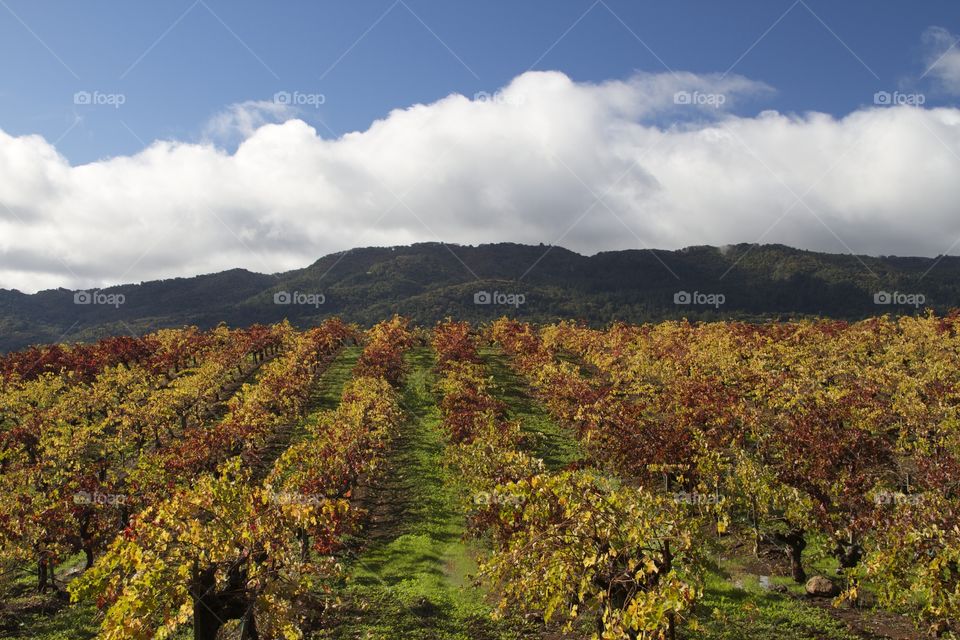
[[430, 281]]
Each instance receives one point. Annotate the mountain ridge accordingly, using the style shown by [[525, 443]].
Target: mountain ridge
[[428, 281]]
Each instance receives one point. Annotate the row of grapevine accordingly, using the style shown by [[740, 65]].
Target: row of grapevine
[[84, 362], [230, 548], [382, 356], [278, 397], [163, 351], [572, 545], [790, 433], [67, 443]]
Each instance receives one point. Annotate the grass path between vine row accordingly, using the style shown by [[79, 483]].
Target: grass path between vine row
[[325, 395], [547, 440], [414, 575]]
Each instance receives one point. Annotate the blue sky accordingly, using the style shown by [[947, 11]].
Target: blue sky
[[179, 62], [143, 140]]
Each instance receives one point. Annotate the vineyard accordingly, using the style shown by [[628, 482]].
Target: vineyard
[[716, 480]]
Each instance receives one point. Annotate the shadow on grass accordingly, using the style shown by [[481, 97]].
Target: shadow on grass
[[549, 441], [412, 577]]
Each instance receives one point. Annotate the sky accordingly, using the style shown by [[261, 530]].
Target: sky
[[151, 140]]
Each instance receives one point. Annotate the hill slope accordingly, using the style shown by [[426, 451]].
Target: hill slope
[[430, 281]]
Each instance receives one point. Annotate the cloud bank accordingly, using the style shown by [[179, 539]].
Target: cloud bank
[[943, 58], [657, 160]]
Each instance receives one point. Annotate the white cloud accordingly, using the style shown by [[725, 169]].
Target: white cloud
[[943, 58], [523, 168], [239, 121]]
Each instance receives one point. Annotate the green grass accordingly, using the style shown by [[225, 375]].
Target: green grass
[[325, 395], [748, 610], [413, 578], [27, 614], [74, 622], [547, 440]]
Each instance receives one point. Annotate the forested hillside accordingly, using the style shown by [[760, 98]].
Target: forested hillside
[[428, 282]]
